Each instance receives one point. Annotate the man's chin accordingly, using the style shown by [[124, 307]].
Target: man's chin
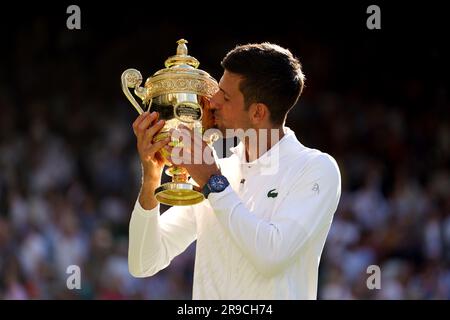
[[226, 132], [222, 129]]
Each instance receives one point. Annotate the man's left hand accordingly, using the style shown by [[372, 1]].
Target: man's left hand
[[194, 154]]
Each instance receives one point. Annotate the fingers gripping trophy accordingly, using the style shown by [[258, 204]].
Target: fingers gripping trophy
[[180, 93]]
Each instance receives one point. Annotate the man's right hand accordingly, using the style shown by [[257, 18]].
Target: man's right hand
[[145, 127]]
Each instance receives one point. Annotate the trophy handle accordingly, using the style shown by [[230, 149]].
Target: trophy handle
[[132, 78]]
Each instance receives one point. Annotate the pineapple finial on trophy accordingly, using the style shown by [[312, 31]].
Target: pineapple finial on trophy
[[182, 47], [182, 58]]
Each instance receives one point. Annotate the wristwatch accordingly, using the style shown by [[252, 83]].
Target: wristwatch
[[216, 183]]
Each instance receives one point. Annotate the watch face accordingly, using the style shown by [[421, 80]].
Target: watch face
[[218, 183]]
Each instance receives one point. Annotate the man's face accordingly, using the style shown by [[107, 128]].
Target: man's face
[[227, 104]]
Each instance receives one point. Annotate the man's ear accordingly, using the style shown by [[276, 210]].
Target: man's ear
[[259, 113]]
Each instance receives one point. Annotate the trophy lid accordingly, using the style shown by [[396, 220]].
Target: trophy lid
[[182, 57], [181, 75]]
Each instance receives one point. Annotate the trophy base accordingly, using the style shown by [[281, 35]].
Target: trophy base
[[178, 194]]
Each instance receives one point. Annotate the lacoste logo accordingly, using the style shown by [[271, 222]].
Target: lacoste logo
[[272, 194], [315, 188]]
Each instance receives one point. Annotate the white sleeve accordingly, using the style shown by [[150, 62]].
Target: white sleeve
[[154, 239], [304, 211]]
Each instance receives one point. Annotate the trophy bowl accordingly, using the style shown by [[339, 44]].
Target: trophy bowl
[[180, 93]]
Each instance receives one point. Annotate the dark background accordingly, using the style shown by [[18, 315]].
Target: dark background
[[376, 100]]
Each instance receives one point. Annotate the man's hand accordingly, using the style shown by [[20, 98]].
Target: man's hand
[[145, 127], [194, 154]]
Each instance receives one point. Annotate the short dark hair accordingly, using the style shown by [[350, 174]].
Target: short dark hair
[[271, 75]]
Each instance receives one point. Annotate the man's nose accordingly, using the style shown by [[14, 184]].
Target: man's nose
[[213, 101]]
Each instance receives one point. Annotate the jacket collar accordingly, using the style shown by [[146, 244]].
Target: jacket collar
[[280, 149]]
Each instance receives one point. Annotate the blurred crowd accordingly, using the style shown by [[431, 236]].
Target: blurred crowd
[[70, 174]]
